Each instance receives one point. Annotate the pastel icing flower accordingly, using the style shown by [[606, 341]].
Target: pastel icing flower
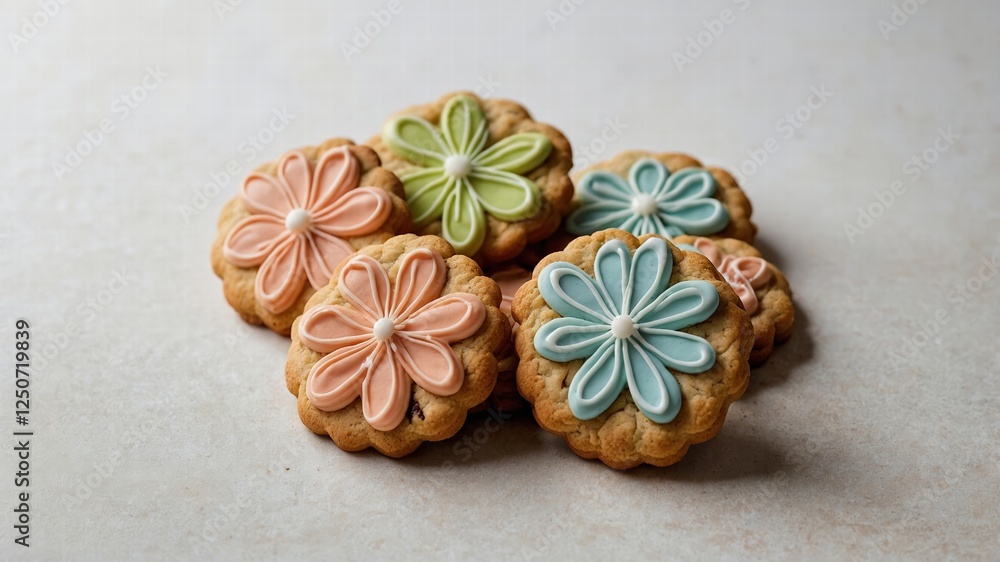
[[625, 322], [744, 274], [651, 201], [458, 179], [298, 221], [388, 337]]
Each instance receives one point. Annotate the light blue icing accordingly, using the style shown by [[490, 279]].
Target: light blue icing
[[625, 322], [651, 201]]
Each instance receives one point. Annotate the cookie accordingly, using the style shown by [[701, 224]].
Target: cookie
[[398, 348], [630, 348], [761, 286], [665, 194], [295, 219], [505, 397], [479, 172]]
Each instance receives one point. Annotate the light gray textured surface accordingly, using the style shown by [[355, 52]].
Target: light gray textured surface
[[164, 429]]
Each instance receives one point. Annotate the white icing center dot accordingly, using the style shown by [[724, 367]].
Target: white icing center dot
[[298, 220], [384, 328], [457, 166], [623, 327], [644, 205]]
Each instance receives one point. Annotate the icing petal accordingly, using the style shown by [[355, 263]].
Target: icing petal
[[294, 171], [611, 273], [683, 304], [648, 176], [415, 140], [654, 390], [450, 318], [358, 212], [565, 339], [698, 216], [426, 191], [687, 184], [323, 254], [263, 194], [598, 382], [680, 351], [591, 217], [385, 393], [707, 248], [754, 269], [335, 381], [253, 239], [337, 171], [365, 284], [572, 293], [420, 279], [649, 274], [504, 195], [431, 364], [281, 277], [463, 125], [743, 289], [327, 328], [518, 154], [602, 186], [463, 223]]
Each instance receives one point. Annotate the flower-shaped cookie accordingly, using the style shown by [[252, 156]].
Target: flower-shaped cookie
[[480, 173], [664, 194], [284, 235], [625, 322], [761, 286], [630, 348], [387, 337], [398, 348]]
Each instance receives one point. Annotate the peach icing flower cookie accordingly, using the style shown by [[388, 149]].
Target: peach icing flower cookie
[[480, 173], [664, 194], [505, 396], [281, 238], [631, 349], [398, 347], [761, 286]]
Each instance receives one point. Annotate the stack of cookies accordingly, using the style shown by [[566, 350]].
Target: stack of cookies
[[451, 264]]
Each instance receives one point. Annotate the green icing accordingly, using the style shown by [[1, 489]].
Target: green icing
[[458, 179]]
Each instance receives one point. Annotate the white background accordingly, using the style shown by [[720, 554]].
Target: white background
[[164, 429]]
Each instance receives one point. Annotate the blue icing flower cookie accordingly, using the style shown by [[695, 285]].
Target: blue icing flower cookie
[[665, 194], [631, 348]]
